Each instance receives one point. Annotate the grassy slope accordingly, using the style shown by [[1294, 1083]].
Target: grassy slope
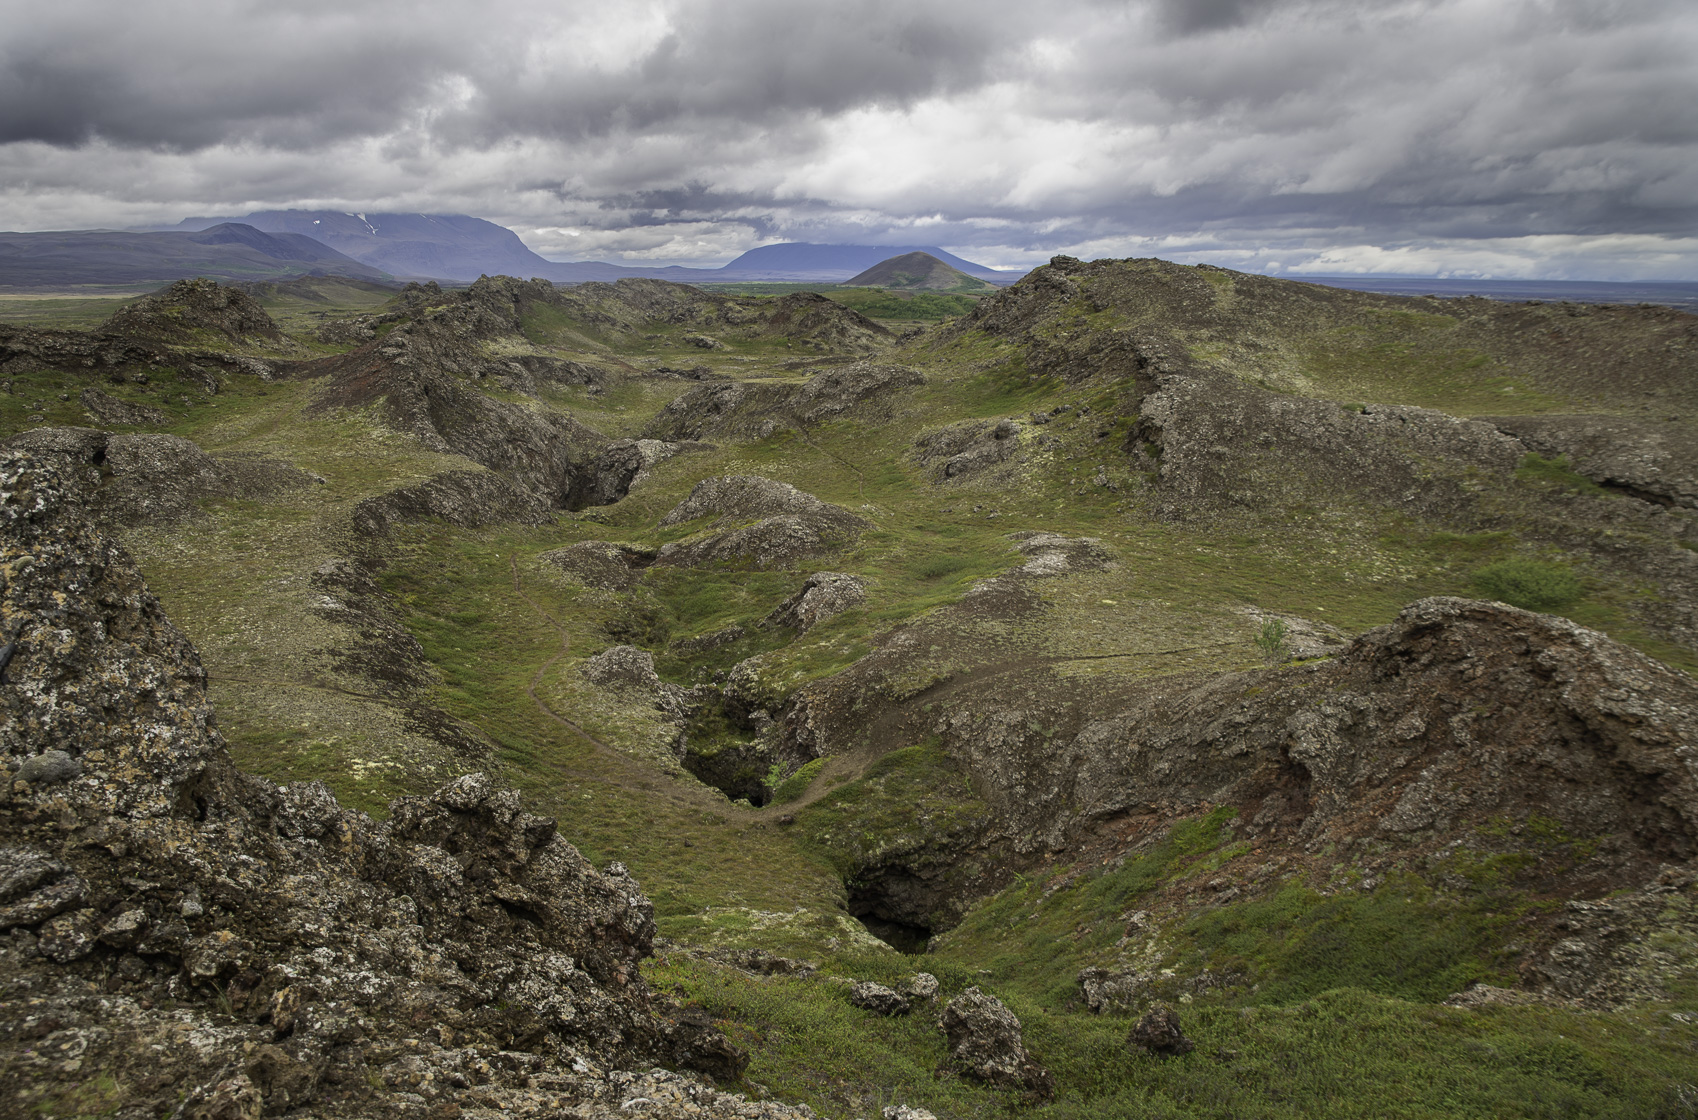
[[1343, 1044]]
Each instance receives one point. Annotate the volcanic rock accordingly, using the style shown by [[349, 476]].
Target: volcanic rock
[[984, 1043], [878, 999], [1157, 1032], [302, 942]]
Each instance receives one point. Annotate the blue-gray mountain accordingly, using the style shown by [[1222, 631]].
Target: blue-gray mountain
[[459, 247], [223, 251]]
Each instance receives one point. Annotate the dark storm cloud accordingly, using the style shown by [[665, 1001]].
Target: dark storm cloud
[[1313, 124]]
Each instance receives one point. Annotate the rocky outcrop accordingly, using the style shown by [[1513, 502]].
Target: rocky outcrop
[[195, 312], [740, 410], [155, 479], [621, 465], [783, 525], [110, 410], [605, 565], [984, 1043], [1654, 460], [469, 499], [318, 957], [967, 448], [823, 595]]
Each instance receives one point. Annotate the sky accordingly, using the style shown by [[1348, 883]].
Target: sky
[[1552, 139]]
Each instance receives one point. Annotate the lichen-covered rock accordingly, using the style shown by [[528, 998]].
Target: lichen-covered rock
[[984, 1043], [110, 410], [967, 448], [153, 478], [1109, 990], [188, 310], [317, 956], [880, 1000], [823, 595], [1157, 1032], [605, 565], [922, 986]]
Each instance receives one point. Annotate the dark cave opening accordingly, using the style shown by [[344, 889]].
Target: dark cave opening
[[873, 909], [901, 936]]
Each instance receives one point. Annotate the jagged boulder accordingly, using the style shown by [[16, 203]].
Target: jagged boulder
[[320, 957], [880, 1000], [984, 1043]]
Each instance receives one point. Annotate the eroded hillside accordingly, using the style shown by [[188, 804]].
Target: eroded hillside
[[1121, 641]]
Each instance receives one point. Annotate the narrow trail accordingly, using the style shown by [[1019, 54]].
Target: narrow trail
[[860, 477]]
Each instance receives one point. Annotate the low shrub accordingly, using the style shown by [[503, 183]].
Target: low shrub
[[1533, 585]]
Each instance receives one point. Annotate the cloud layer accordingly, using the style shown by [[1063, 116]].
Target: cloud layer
[[1475, 137]]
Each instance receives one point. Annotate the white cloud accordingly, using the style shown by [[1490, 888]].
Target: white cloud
[[1546, 136]]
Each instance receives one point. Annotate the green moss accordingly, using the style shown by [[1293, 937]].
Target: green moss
[[1397, 940], [1556, 472], [1530, 584]]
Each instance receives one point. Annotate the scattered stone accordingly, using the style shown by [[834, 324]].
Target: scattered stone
[[923, 986], [984, 1043], [1157, 1032], [878, 999], [904, 1112]]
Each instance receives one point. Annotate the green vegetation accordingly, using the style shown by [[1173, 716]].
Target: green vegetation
[[1271, 640], [881, 303], [1343, 1053], [1555, 472], [1530, 584], [1310, 994]]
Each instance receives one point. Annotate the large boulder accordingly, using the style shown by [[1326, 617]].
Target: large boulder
[[985, 1044]]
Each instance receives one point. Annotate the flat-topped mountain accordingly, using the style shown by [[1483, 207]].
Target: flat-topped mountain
[[919, 271]]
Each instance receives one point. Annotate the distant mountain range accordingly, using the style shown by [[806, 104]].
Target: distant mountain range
[[224, 251], [458, 247]]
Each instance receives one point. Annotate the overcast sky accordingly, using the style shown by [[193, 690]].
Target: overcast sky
[[1535, 138]]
